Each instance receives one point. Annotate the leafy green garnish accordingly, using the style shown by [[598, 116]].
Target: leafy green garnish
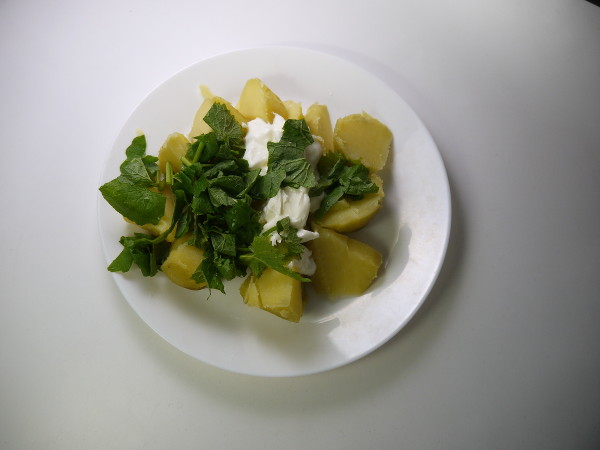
[[264, 254], [341, 177], [287, 155], [216, 199], [130, 193], [287, 165]]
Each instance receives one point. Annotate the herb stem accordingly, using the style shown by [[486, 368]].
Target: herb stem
[[186, 161], [198, 152], [169, 173]]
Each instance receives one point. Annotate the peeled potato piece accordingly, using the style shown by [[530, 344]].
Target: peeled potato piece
[[274, 292], [175, 146], [364, 138], [345, 266], [257, 100], [294, 109], [182, 262], [350, 215], [201, 127], [319, 122]]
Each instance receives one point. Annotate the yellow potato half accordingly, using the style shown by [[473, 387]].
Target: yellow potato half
[[257, 100], [201, 127], [182, 262], [274, 292], [350, 215], [364, 138], [345, 266], [319, 122]]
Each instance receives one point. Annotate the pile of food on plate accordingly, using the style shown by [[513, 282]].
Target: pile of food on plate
[[261, 190]]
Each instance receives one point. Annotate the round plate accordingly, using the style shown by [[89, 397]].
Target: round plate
[[411, 230]]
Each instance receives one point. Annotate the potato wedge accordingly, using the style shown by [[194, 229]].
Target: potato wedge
[[319, 122], [175, 146], [362, 137], [182, 262], [345, 266], [199, 126], [294, 109], [257, 100], [350, 215], [274, 292]]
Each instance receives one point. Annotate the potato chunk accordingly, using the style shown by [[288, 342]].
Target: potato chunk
[[201, 127], [345, 266], [362, 137], [274, 292], [294, 109], [257, 100], [319, 122], [182, 262], [350, 215], [175, 146]]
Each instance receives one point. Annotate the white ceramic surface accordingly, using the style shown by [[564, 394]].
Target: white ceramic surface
[[411, 230]]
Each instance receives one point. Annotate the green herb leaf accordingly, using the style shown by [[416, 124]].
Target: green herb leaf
[[340, 177], [264, 254], [137, 203], [224, 243], [226, 128], [137, 148], [287, 155]]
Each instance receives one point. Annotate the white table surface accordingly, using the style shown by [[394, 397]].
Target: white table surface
[[504, 353]]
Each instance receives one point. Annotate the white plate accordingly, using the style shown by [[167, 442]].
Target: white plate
[[411, 230]]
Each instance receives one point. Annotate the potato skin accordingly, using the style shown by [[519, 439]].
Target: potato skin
[[345, 266]]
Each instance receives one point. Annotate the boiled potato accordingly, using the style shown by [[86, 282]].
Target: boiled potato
[[165, 221], [274, 292], [345, 266], [257, 100], [294, 109], [201, 127], [319, 122], [362, 137], [350, 215], [175, 146], [182, 262]]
